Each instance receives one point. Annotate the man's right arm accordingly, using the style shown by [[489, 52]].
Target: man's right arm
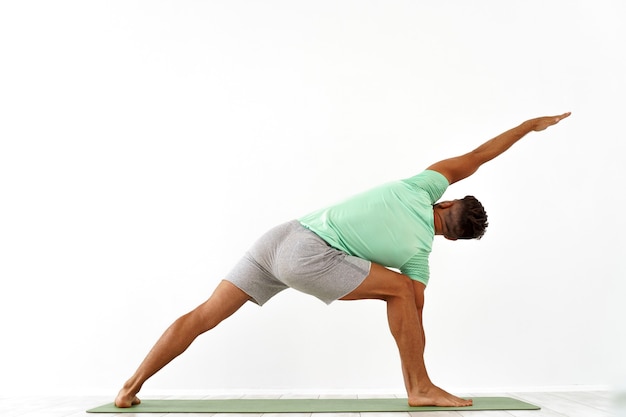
[[460, 167]]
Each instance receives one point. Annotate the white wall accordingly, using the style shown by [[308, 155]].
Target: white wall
[[145, 145]]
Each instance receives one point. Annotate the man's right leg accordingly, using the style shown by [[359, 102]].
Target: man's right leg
[[406, 327], [225, 300]]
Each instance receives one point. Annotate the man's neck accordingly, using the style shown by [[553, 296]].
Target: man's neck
[[438, 222]]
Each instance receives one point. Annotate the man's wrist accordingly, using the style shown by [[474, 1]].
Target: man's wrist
[[529, 125]]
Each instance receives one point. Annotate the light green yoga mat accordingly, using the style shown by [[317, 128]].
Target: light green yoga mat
[[260, 406]]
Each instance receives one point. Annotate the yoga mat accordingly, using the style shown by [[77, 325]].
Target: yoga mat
[[305, 406]]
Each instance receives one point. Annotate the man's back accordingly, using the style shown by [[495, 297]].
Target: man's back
[[391, 225]]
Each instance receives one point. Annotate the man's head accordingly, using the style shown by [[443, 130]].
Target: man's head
[[461, 219]]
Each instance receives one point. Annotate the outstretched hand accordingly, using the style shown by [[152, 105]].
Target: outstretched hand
[[542, 123]]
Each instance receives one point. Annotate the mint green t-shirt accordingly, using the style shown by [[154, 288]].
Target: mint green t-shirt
[[391, 225]]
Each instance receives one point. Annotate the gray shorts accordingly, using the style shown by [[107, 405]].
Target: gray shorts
[[292, 256]]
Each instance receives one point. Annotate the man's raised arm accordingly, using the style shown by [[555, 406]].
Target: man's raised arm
[[460, 167]]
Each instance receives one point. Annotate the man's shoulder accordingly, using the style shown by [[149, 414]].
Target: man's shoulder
[[432, 182]]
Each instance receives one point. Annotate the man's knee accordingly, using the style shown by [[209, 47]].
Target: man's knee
[[225, 300], [398, 285], [403, 287]]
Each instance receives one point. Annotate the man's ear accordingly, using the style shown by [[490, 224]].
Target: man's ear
[[445, 204]]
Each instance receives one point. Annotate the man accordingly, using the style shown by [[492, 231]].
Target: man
[[341, 253]]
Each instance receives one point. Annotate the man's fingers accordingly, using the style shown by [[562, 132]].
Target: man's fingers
[[561, 117], [542, 123], [555, 119]]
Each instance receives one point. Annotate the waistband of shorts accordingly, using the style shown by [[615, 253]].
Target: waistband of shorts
[[299, 225]]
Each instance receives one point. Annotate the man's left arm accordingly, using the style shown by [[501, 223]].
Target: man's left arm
[[461, 167]]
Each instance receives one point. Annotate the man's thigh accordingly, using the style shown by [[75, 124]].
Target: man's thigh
[[382, 283]]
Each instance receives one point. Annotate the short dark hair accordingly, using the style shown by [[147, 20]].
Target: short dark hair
[[472, 221]]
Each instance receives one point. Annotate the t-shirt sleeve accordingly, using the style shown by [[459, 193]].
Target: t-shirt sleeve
[[434, 183], [417, 268]]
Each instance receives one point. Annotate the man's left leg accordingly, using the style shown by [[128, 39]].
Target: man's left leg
[[406, 327], [225, 300]]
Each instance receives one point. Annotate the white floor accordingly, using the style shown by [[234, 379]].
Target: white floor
[[553, 404]]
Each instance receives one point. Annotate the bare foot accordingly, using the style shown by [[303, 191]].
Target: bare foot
[[126, 399], [437, 397]]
